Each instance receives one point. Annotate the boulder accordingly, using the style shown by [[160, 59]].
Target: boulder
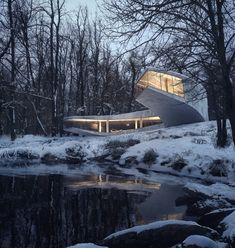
[[86, 245], [227, 225], [75, 155], [159, 234], [49, 158], [198, 241], [117, 153], [213, 219], [202, 207]]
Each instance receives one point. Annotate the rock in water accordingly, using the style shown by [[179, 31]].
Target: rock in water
[[159, 234]]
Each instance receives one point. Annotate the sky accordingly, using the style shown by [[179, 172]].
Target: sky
[[91, 4]]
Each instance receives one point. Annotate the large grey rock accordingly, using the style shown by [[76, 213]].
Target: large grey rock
[[49, 158], [198, 241], [213, 219], [164, 235]]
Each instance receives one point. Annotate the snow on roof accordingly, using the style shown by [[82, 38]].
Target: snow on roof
[[136, 114], [162, 70]]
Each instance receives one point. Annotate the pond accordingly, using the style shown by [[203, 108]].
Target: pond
[[60, 210]]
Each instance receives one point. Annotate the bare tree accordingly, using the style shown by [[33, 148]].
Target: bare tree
[[52, 66], [12, 28], [82, 35], [208, 26]]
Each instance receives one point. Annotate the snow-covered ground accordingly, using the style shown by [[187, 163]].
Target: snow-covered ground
[[193, 145]]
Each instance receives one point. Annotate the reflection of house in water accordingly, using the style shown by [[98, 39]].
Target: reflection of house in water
[[170, 98], [109, 181], [57, 211], [176, 216]]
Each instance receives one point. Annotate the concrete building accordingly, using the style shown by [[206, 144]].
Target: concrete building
[[170, 98]]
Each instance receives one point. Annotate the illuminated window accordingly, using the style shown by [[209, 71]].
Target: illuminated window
[[170, 85], [178, 87], [163, 82]]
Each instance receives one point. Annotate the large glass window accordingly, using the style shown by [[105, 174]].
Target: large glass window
[[178, 87], [154, 79], [163, 82]]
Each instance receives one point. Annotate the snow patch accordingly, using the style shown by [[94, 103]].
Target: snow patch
[[202, 242], [86, 245]]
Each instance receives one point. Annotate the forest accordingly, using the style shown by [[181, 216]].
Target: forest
[[54, 63]]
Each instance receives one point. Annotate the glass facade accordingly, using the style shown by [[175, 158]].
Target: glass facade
[[112, 125], [162, 81]]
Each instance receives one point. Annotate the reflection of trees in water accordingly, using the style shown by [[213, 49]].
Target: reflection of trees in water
[[39, 211]]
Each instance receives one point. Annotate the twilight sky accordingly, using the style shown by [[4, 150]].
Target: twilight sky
[[91, 4]]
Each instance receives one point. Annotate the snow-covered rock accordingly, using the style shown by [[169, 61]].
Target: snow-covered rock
[[216, 190], [202, 199], [229, 224], [201, 242], [158, 234], [214, 218], [86, 245]]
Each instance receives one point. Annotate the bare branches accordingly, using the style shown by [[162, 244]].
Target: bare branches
[[5, 49], [61, 67], [200, 38]]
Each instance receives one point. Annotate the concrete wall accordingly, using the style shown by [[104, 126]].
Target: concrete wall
[[171, 110]]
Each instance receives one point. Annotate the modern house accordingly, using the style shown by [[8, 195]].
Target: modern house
[[170, 98]]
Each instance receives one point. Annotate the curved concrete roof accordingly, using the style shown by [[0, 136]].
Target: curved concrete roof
[[132, 115], [172, 110]]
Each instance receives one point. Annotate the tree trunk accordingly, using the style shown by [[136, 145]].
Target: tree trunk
[[12, 83], [232, 123], [221, 132]]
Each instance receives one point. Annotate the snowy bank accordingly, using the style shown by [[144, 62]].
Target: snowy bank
[[186, 150]]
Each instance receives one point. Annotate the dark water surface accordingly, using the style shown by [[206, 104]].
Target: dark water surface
[[57, 210]]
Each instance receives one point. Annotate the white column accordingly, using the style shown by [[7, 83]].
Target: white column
[[107, 126], [141, 123], [136, 124], [100, 129]]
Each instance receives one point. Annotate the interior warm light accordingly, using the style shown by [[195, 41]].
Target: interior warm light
[[107, 124], [112, 120], [105, 180], [162, 81]]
